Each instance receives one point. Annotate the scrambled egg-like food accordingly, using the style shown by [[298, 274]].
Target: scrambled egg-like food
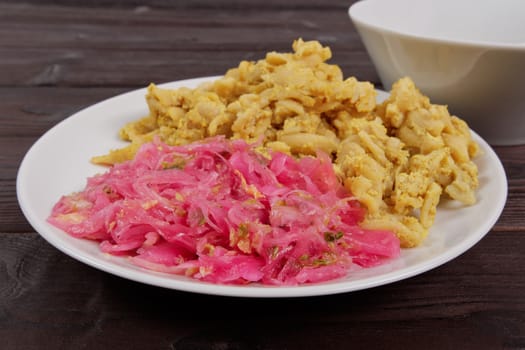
[[397, 157]]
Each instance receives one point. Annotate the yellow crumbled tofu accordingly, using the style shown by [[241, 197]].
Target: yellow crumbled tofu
[[398, 158]]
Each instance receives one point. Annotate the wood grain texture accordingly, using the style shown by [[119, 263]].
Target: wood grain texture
[[59, 56], [460, 304], [93, 46]]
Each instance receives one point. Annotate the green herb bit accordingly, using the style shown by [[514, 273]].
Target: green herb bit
[[243, 230], [330, 236], [321, 262], [304, 257], [177, 163]]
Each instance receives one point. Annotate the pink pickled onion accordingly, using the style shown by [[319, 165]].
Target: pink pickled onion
[[219, 211]]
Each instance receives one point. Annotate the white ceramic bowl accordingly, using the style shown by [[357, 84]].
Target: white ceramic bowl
[[467, 54]]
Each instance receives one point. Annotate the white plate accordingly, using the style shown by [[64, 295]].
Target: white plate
[[58, 163]]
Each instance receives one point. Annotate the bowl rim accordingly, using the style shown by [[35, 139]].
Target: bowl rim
[[438, 40]]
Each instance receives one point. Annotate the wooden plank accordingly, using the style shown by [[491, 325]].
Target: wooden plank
[[197, 4], [60, 26], [514, 164], [29, 112], [13, 150], [36, 276], [137, 68], [92, 47]]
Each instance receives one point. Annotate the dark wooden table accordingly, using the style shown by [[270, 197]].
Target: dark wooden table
[[57, 57]]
